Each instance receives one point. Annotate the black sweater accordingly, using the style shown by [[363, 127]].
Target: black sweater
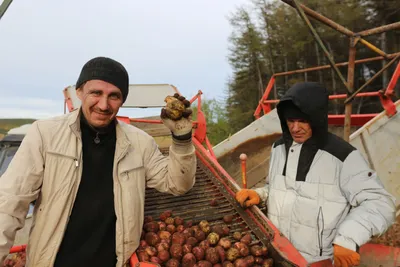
[[89, 239]]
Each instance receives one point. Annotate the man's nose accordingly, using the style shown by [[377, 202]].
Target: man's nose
[[103, 103], [295, 127]]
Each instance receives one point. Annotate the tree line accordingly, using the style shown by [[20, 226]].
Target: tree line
[[270, 37]]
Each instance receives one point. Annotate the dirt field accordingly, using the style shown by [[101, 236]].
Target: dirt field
[[391, 237]]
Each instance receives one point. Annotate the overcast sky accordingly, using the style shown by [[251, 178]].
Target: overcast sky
[[44, 44]]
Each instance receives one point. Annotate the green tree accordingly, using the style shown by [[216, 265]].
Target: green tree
[[216, 119]]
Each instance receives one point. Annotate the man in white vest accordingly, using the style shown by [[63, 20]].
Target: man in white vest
[[321, 194]]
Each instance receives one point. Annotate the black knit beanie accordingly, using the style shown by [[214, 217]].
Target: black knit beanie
[[108, 70]]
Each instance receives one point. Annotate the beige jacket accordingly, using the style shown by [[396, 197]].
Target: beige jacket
[[48, 167]]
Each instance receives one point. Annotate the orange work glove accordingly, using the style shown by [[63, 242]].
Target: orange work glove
[[247, 198], [344, 257]]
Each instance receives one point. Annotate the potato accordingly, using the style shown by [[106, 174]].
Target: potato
[[191, 241], [217, 265], [143, 256], [217, 229], [237, 236], [166, 214], [173, 263], [170, 220], [188, 260], [180, 228], [199, 253], [213, 238], [204, 226], [213, 203], [225, 243], [151, 227], [227, 264], [246, 239], [186, 249], [228, 218], [188, 224], [264, 251], [250, 260], [187, 233], [152, 239], [232, 254], [204, 244], [143, 244], [268, 263], [155, 260], [258, 260], [178, 221], [221, 253], [225, 230], [240, 263], [162, 246], [151, 251], [242, 248], [204, 263], [164, 235], [256, 251], [178, 238], [164, 256], [212, 255], [171, 228], [200, 235], [176, 251], [162, 226], [148, 219]]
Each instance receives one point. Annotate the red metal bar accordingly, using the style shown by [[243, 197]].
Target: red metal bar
[[356, 119], [16, 249], [209, 147], [340, 96], [393, 81], [265, 108], [243, 159]]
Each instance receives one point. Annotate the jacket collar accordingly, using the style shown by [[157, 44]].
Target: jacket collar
[[122, 139]]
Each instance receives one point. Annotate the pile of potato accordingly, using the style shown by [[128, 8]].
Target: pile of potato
[[171, 242], [15, 260]]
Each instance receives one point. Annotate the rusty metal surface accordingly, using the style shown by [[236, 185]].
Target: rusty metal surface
[[350, 83], [320, 43], [377, 30], [336, 26], [376, 75], [341, 64]]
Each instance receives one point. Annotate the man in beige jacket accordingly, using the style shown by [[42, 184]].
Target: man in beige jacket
[[87, 173]]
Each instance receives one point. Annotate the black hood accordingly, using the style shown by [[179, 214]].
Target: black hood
[[312, 99]]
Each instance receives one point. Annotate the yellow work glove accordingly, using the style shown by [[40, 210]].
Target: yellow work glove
[[344, 257], [247, 198]]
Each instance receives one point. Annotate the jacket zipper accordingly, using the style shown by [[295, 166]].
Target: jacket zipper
[[320, 241], [120, 205], [72, 205]]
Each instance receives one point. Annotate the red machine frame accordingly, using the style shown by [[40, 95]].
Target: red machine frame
[[356, 119]]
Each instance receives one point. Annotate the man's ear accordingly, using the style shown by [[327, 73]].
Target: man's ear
[[79, 93]]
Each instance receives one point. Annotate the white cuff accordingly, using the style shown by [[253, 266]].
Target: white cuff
[[345, 242]]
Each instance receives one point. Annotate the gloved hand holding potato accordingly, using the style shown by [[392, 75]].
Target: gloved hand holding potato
[[176, 115]]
